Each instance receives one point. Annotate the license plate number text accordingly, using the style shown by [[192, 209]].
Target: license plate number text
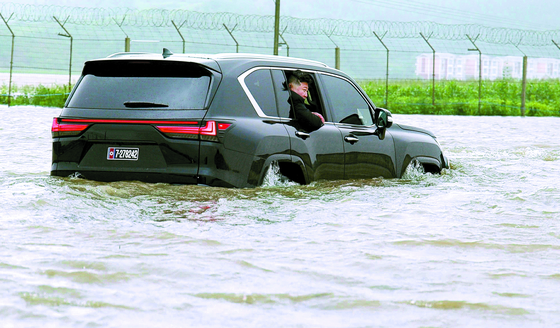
[[122, 154]]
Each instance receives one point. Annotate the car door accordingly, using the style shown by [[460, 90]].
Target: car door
[[365, 155], [321, 150]]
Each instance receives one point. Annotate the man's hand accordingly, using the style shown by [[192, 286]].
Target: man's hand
[[320, 116]]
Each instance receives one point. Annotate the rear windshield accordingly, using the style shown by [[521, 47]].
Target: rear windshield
[[142, 85]]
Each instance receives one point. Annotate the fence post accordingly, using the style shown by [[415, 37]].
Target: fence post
[[479, 70], [236, 43], [127, 44], [126, 38], [556, 44], [337, 57], [524, 79], [336, 52], [386, 69], [524, 86], [11, 58], [276, 26], [433, 68], [178, 31], [284, 42], [67, 35]]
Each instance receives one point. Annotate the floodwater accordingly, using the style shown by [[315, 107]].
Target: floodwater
[[477, 246]]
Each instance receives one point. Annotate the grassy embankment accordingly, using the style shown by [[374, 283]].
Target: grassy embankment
[[45, 96], [501, 97]]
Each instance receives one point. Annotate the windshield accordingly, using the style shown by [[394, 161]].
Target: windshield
[[142, 85]]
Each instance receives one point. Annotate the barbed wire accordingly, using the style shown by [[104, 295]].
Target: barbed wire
[[265, 24]]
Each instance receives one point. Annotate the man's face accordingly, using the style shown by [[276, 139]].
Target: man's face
[[300, 89]]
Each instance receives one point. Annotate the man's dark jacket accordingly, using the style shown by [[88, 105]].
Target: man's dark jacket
[[303, 115]]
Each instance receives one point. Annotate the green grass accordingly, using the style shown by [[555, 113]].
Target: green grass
[[500, 97], [51, 96]]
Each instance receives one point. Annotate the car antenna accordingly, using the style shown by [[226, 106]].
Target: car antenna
[[166, 53]]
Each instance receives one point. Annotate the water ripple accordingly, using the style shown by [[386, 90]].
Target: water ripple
[[476, 246]]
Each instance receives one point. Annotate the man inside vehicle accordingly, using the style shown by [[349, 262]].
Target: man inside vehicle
[[298, 84]]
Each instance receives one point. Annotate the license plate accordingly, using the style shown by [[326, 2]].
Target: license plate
[[122, 154]]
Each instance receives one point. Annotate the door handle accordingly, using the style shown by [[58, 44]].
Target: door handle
[[302, 135], [351, 139]]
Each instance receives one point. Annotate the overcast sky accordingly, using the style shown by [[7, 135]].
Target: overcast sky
[[522, 14]]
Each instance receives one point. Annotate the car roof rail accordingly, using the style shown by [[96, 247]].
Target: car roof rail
[[268, 57], [125, 54], [167, 53]]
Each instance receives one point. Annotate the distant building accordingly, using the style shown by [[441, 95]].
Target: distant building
[[465, 67]]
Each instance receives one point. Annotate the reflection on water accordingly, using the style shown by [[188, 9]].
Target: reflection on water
[[475, 246]]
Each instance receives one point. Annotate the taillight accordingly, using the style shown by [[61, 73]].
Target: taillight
[[209, 132], [66, 127], [223, 126], [61, 129]]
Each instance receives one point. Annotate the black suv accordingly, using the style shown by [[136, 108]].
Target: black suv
[[223, 120]]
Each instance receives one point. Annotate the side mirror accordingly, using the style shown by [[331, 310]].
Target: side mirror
[[383, 120]]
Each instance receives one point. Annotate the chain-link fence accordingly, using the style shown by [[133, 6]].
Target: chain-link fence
[[47, 45]]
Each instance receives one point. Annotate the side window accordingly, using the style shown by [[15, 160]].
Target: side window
[[312, 102], [282, 93], [348, 104], [260, 86]]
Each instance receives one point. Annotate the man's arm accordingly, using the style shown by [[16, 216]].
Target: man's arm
[[309, 120]]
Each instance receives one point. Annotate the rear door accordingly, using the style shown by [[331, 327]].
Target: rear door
[[365, 155], [321, 150]]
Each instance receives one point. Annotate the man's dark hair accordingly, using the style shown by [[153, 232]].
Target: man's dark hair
[[297, 77]]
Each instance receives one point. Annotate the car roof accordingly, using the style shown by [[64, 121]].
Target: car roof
[[220, 56], [206, 58], [269, 58]]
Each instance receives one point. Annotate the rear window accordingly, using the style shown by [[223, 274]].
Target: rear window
[[142, 85]]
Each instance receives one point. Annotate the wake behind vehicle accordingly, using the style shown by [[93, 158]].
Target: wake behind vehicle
[[223, 120]]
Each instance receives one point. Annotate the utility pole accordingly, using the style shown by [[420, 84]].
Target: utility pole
[[276, 27]]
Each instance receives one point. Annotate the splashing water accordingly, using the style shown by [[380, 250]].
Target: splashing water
[[273, 177], [414, 171]]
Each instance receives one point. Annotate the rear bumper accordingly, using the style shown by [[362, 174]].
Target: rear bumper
[[219, 167], [153, 176]]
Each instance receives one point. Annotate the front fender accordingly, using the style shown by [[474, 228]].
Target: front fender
[[413, 145]]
